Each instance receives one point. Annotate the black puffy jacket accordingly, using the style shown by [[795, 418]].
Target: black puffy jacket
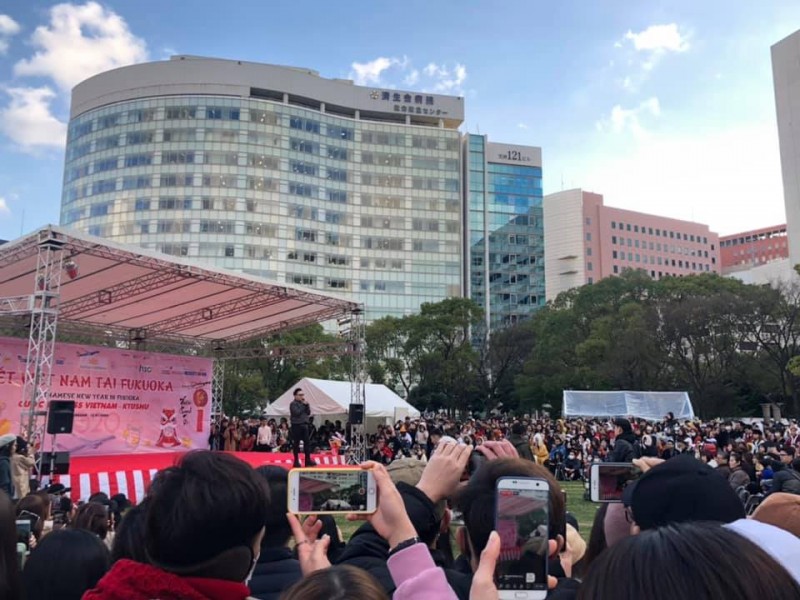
[[275, 571]]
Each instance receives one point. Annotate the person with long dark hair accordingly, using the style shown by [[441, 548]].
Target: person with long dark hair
[[67, 563], [703, 561]]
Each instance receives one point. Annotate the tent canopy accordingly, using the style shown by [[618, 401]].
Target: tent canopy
[[122, 288], [652, 406], [328, 397]]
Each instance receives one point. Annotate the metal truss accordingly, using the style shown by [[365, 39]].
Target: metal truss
[[133, 288], [42, 339], [16, 305], [217, 390], [222, 310], [353, 328], [291, 323]]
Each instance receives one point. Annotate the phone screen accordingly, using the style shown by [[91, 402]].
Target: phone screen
[[612, 479], [23, 532], [339, 490], [522, 523]]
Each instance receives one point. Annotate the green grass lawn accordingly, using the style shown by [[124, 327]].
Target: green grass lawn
[[582, 509]]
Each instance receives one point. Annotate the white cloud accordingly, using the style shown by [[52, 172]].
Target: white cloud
[[8, 29], [370, 72], [630, 119], [81, 41], [4, 210], [522, 126], [393, 72], [659, 38], [695, 176], [28, 120]]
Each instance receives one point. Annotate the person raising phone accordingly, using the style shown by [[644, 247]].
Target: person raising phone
[[300, 413]]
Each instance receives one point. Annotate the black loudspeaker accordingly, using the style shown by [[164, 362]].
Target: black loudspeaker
[[60, 466], [356, 414], [60, 414]]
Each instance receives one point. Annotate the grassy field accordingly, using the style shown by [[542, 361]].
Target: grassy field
[[582, 509]]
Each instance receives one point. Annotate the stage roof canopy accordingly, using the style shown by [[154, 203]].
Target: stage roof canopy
[[122, 288]]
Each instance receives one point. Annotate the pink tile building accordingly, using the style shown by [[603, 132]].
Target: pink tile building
[[586, 241]]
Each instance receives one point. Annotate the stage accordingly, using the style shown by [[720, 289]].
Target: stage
[[131, 474]]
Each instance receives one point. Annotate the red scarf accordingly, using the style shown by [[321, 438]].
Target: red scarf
[[129, 580]]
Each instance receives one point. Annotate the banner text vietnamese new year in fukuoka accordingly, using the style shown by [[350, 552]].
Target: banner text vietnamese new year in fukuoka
[[125, 401]]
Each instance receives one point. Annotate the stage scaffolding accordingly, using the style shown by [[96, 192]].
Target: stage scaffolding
[[146, 300]]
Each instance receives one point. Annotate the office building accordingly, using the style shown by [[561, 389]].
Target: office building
[[504, 237], [586, 241], [276, 172], [754, 248], [786, 78]]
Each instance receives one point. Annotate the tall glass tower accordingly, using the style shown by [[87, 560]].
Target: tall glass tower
[[504, 234]]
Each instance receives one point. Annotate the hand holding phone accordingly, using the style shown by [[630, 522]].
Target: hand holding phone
[[608, 480], [390, 520]]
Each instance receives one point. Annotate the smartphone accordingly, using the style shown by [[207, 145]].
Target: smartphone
[[608, 480], [332, 491], [521, 519], [24, 532]]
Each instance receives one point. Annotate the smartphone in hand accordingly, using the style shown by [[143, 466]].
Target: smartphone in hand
[[332, 491], [608, 480], [522, 520]]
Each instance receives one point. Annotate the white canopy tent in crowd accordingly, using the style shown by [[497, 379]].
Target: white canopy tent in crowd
[[330, 400], [652, 406]]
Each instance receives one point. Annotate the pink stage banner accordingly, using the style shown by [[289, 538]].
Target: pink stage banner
[[126, 402]]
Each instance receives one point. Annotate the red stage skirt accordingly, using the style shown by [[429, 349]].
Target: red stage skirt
[[131, 474]]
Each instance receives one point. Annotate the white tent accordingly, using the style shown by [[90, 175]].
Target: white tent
[[331, 399], [652, 406]]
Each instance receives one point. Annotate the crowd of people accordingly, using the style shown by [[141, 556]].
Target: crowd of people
[[212, 527]]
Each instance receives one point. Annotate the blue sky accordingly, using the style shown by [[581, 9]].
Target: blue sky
[[664, 107]]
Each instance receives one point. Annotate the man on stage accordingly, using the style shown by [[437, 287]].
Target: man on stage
[[300, 413]]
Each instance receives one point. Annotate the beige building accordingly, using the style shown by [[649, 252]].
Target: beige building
[[786, 77]]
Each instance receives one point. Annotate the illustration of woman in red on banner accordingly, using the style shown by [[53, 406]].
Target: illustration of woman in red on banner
[[169, 429]]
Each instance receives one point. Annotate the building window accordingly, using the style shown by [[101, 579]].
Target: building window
[[139, 137], [303, 168], [337, 174], [343, 133], [337, 196], [308, 125], [589, 251], [616, 269], [588, 236], [180, 112]]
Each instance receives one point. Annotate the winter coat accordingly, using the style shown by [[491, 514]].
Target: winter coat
[[21, 466], [6, 480], [275, 571], [623, 449], [520, 442]]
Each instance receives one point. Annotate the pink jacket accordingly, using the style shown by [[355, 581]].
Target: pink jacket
[[417, 577]]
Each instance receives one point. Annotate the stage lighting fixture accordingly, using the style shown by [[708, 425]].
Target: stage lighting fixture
[[71, 267]]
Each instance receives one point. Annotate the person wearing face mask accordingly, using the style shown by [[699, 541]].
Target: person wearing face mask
[[572, 466], [203, 530]]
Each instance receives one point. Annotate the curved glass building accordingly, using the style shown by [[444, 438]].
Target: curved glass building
[[276, 172]]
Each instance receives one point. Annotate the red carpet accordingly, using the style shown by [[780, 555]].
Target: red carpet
[[130, 474]]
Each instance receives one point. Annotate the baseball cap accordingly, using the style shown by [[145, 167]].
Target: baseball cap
[[409, 471], [682, 489], [6, 439], [781, 510]]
